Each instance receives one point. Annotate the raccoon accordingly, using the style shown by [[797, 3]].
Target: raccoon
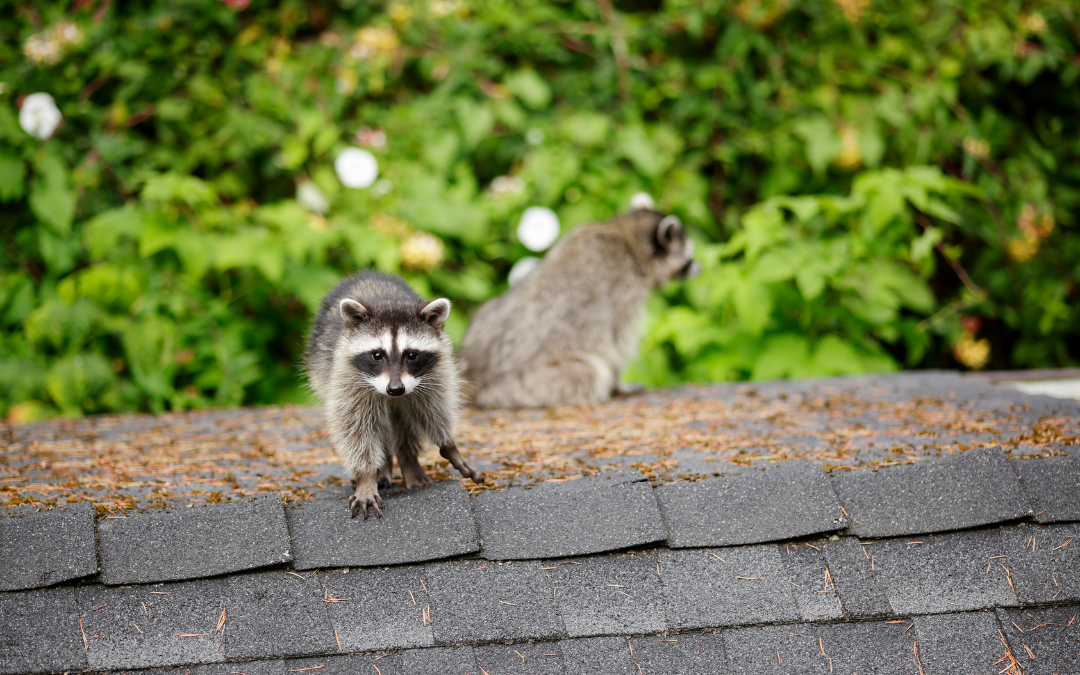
[[563, 334], [378, 358]]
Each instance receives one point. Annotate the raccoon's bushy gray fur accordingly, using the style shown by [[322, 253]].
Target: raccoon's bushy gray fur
[[563, 334], [378, 358]]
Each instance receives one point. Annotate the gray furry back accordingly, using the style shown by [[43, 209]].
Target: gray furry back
[[563, 335]]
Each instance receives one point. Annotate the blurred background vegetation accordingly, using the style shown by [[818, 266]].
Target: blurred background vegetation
[[873, 184]]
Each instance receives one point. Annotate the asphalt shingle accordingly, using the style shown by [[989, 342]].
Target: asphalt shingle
[[708, 588], [942, 573], [683, 654], [856, 579], [774, 650], [1052, 635], [480, 601], [535, 658], [39, 632], [867, 647], [606, 512], [1044, 561], [388, 664], [151, 626], [973, 488], [425, 523], [609, 595], [1053, 485], [193, 543], [378, 609], [959, 643], [791, 500], [42, 548], [439, 661], [276, 614], [815, 593]]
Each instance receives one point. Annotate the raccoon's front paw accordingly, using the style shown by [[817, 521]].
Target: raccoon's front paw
[[366, 495], [451, 453], [468, 471]]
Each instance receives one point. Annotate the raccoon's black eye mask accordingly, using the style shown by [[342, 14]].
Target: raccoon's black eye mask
[[418, 363]]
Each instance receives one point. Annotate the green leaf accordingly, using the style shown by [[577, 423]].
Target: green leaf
[[753, 305], [76, 382], [775, 265], [822, 142], [528, 86], [176, 187], [835, 356], [634, 144], [786, 355], [52, 199], [762, 227], [150, 347], [923, 245], [103, 232], [12, 177], [586, 128], [475, 120], [109, 285]]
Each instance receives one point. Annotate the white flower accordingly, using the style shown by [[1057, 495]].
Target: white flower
[[68, 32], [641, 200], [356, 168], [534, 136], [312, 198], [522, 268], [539, 228], [39, 116], [43, 49]]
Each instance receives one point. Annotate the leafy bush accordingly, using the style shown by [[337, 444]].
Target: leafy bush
[[872, 185]]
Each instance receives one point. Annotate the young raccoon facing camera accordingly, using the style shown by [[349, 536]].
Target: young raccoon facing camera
[[563, 334], [385, 371]]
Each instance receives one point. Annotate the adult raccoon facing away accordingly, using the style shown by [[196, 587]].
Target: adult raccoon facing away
[[563, 334], [385, 371]]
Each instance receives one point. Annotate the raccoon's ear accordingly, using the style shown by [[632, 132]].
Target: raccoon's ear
[[435, 312], [353, 312], [669, 229]]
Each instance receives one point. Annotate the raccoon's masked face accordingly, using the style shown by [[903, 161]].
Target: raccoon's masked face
[[674, 251], [394, 356]]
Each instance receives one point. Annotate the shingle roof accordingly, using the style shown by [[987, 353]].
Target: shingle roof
[[790, 569]]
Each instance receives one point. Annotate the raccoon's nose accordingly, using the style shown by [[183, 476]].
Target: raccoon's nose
[[395, 388]]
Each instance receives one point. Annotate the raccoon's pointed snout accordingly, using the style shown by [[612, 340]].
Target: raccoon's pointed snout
[[395, 388]]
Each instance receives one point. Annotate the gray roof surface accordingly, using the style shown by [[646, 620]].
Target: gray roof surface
[[46, 548], [942, 573], [974, 488], [426, 523], [1053, 484], [1052, 634], [745, 571], [194, 543], [791, 500], [610, 511]]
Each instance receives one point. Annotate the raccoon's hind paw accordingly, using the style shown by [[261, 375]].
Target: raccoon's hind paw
[[362, 499]]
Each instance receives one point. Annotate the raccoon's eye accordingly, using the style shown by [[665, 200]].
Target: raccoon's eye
[[412, 355], [377, 355]]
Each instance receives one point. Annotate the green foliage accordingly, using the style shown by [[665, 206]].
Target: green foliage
[[871, 185]]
